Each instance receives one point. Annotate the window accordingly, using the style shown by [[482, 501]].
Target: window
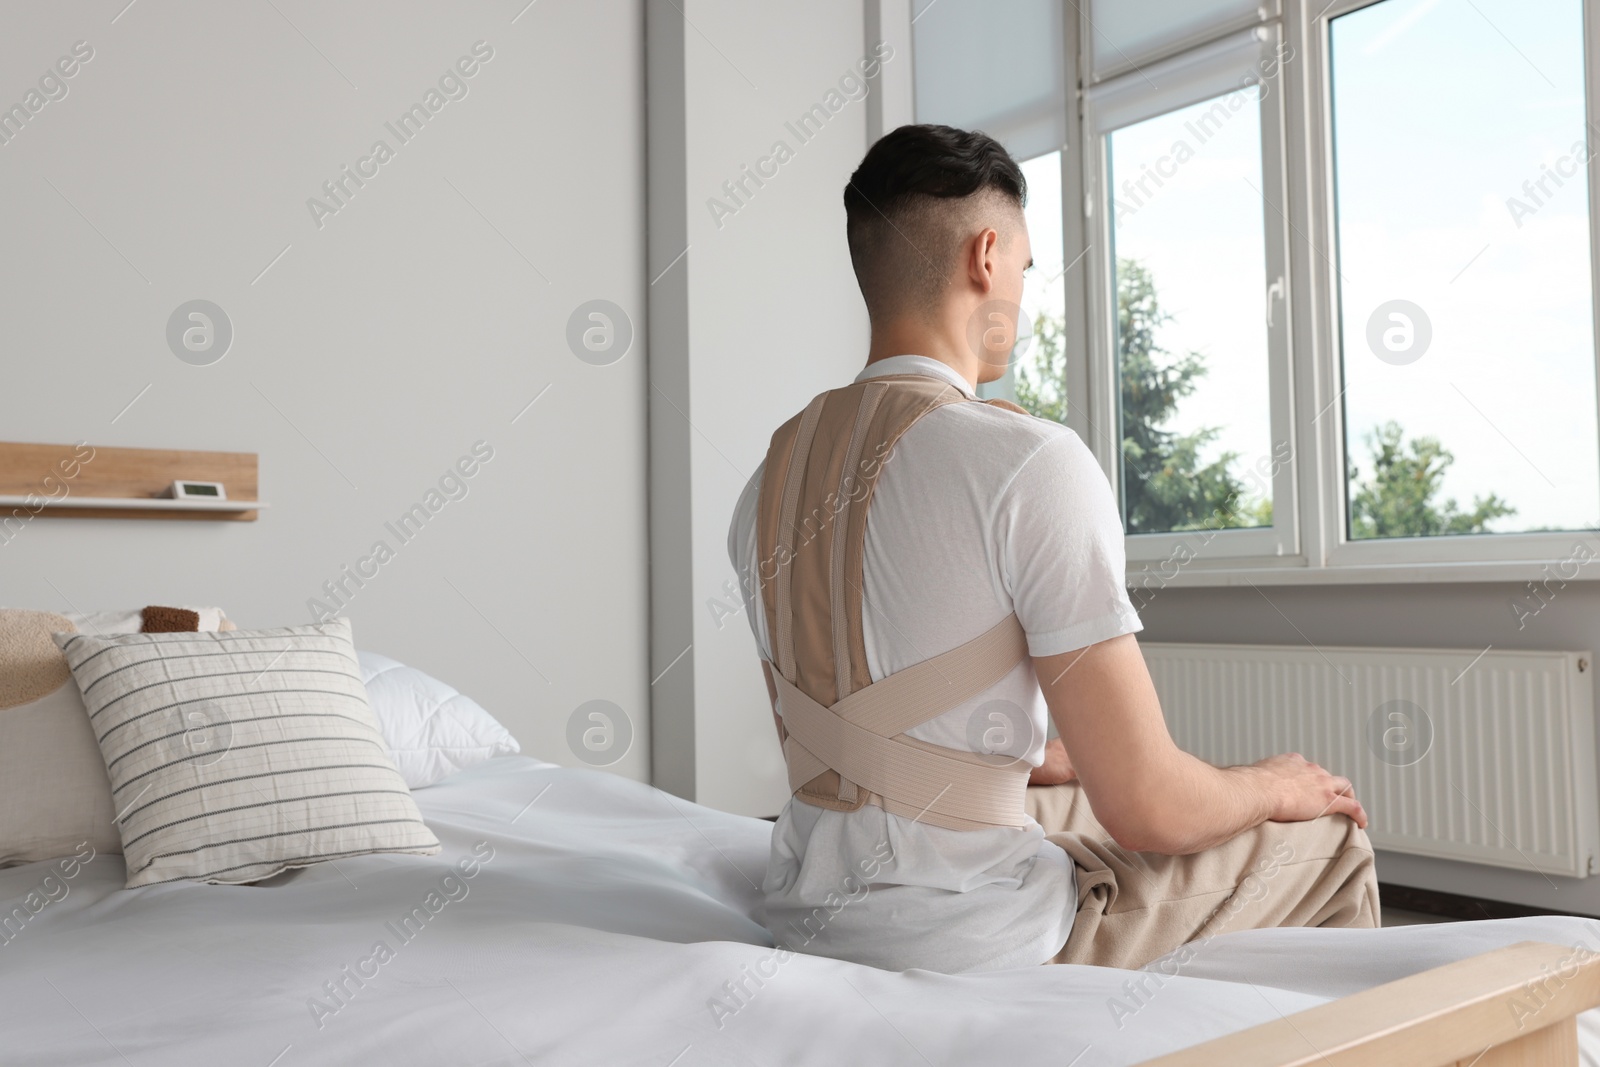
[[1037, 377], [1323, 302], [1189, 284], [1465, 292], [1188, 272]]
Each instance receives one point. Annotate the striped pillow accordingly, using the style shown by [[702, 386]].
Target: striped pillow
[[234, 756]]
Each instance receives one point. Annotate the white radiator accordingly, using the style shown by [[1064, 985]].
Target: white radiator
[[1487, 757]]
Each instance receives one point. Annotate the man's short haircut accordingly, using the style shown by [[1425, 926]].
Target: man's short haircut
[[917, 195]]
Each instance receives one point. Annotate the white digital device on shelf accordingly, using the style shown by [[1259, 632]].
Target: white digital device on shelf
[[182, 490]]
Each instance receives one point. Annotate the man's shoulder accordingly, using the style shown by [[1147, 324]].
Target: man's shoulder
[[1002, 435], [992, 442]]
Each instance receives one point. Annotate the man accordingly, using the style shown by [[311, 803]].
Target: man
[[909, 656]]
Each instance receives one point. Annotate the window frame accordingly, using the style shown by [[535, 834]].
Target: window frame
[[1340, 549], [1310, 494], [1215, 68]]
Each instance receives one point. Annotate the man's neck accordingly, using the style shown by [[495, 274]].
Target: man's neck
[[937, 341]]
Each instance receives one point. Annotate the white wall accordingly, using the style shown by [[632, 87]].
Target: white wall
[[375, 351], [764, 313]]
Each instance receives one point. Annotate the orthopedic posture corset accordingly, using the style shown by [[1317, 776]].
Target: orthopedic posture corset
[[846, 744]]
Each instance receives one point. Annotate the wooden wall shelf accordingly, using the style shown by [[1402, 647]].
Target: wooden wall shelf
[[121, 504], [122, 483]]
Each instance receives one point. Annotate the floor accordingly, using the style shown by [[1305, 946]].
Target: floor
[[1396, 917]]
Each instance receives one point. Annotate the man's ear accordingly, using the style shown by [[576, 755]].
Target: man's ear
[[983, 258]]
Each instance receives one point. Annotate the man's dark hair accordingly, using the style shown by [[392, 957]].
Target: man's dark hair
[[911, 203]]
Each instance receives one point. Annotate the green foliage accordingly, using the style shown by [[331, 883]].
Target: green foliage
[[1044, 392], [1400, 498], [1166, 487], [1256, 513]]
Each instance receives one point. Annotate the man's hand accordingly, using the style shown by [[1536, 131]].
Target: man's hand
[[1056, 768], [1299, 790]]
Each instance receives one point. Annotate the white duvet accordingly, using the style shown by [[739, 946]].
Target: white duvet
[[603, 922]]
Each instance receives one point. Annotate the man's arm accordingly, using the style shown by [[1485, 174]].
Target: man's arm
[[1150, 795]]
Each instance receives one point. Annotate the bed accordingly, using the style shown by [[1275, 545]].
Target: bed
[[608, 922]]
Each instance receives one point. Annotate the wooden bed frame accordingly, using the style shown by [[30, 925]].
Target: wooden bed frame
[[1514, 1007]]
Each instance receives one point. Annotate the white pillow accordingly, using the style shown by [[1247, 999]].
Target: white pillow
[[431, 730]]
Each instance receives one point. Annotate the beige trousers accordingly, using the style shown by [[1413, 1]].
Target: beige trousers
[[1134, 907]]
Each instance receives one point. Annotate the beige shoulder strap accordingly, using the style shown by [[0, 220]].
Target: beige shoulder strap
[[846, 745]]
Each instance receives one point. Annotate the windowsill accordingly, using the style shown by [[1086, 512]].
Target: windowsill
[[1297, 572]]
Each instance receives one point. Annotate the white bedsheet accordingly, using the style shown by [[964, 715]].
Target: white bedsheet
[[609, 918]]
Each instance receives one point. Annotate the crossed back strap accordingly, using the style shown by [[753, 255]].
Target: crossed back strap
[[846, 743]]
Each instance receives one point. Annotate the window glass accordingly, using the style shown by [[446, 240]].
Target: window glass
[[1463, 268], [1038, 374], [1189, 248]]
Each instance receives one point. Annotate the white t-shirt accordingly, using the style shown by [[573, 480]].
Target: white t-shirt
[[979, 512]]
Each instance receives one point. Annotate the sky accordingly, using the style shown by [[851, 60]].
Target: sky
[[1042, 287], [1442, 110]]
